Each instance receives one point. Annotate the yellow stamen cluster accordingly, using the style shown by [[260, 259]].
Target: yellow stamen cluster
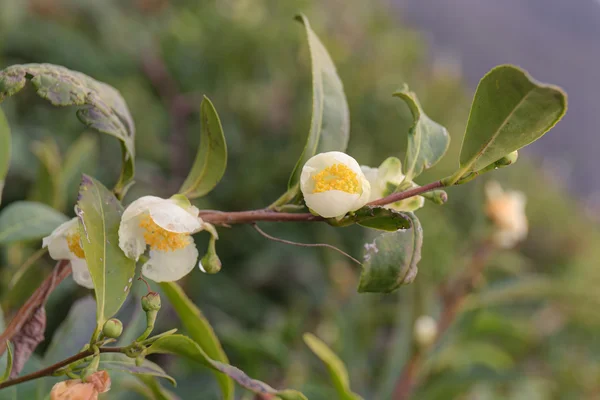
[[74, 243], [161, 239], [336, 177]]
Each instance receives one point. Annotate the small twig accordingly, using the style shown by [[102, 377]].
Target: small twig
[[252, 216], [37, 299], [453, 297], [275, 239], [140, 278], [51, 369]]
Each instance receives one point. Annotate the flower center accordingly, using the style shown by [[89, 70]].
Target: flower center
[[74, 243], [161, 239], [336, 177]]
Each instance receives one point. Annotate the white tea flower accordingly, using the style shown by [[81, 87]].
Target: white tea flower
[[333, 184], [506, 209], [166, 226], [384, 181], [64, 243]]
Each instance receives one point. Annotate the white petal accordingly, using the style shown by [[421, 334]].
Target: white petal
[[140, 206], [168, 266], [332, 203], [365, 195], [390, 171], [57, 241], [171, 217], [81, 274], [131, 237]]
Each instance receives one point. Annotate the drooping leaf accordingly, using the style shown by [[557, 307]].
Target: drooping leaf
[[47, 186], [391, 259], [156, 390], [211, 159], [376, 217], [200, 330], [336, 367], [101, 106], [428, 141], [28, 220], [509, 111], [9, 363], [127, 364], [330, 122], [112, 272], [184, 346], [4, 150]]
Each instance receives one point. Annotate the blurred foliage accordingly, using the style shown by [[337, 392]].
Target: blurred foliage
[[529, 331]]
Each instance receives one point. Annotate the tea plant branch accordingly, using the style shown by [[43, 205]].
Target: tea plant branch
[[35, 301], [453, 296], [329, 246], [252, 216], [55, 367]]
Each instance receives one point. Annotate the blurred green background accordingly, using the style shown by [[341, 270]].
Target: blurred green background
[[529, 331]]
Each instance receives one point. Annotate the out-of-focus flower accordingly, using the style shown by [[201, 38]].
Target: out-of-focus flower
[[64, 243], [166, 226], [333, 184], [425, 330], [76, 389], [384, 181], [506, 209]]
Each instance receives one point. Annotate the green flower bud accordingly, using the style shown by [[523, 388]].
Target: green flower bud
[[507, 160], [210, 263], [112, 328], [436, 196], [151, 302]]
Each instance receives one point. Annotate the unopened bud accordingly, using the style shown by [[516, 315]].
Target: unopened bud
[[112, 328], [425, 331], [210, 263], [436, 196], [507, 159], [151, 302]]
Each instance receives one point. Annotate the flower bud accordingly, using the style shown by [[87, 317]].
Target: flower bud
[[112, 328], [425, 331], [151, 302], [438, 197], [210, 263], [507, 159]]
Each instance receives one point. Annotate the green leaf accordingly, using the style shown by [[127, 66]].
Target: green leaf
[[211, 159], [428, 141], [330, 123], [200, 330], [148, 368], [510, 110], [102, 107], [81, 157], [337, 369], [47, 187], [4, 150], [184, 346], [391, 259], [9, 363], [28, 220], [112, 272], [156, 389], [376, 217]]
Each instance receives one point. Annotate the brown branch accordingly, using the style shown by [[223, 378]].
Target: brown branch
[[51, 369], [453, 296], [249, 217], [37, 300]]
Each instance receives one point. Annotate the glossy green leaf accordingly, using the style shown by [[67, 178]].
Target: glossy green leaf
[[101, 106], [9, 363], [391, 259], [428, 141], [330, 122], [28, 220], [509, 111], [211, 159], [200, 330], [4, 150], [112, 272], [376, 217], [336, 367], [184, 346]]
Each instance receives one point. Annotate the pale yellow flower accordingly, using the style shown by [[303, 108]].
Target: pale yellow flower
[[506, 209], [76, 389], [166, 226], [64, 243], [333, 184]]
